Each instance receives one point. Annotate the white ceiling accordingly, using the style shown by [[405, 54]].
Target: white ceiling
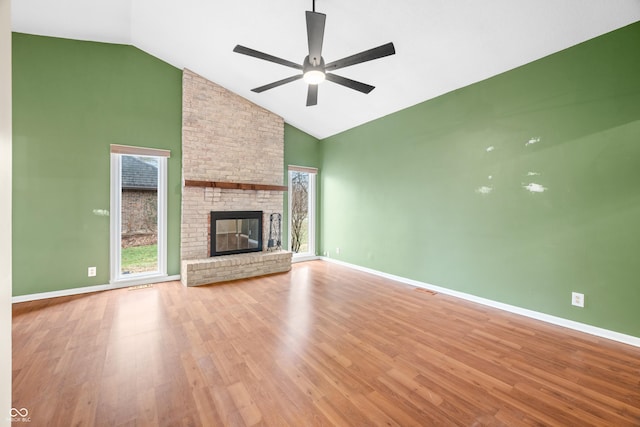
[[441, 45]]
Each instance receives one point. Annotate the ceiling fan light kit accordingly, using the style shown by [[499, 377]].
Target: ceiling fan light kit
[[314, 77], [314, 70]]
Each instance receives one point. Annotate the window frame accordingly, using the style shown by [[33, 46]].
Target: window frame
[[311, 218], [116, 277]]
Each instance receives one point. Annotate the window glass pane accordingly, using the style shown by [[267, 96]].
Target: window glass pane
[[139, 215], [299, 211]]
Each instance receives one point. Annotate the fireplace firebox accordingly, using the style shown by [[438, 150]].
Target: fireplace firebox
[[235, 232]]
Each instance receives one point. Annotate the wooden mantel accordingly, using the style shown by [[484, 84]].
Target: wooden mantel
[[234, 185]]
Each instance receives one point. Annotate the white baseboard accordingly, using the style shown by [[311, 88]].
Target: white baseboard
[[559, 321], [89, 289]]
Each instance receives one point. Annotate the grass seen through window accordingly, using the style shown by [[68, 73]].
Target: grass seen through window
[[137, 259]]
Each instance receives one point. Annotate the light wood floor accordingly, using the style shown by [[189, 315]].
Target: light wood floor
[[321, 345]]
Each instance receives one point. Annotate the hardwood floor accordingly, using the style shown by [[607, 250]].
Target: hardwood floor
[[321, 345]]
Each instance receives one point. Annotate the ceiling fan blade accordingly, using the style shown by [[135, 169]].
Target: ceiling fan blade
[[276, 84], [315, 35], [351, 84], [312, 95], [261, 55], [367, 55]]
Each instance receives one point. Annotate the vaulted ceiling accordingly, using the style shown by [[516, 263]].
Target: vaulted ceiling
[[441, 45]]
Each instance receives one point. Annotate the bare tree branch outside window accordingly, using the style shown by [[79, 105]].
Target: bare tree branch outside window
[[299, 209]]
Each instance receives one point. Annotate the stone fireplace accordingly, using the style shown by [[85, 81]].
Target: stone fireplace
[[232, 160]]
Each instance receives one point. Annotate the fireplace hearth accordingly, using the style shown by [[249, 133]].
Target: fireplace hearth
[[235, 232]]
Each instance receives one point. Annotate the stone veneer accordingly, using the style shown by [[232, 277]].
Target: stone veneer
[[226, 138], [233, 267]]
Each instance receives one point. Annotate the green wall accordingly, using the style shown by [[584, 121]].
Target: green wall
[[71, 100], [440, 192], [300, 149]]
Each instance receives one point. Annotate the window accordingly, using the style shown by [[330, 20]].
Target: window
[[138, 214], [302, 196]]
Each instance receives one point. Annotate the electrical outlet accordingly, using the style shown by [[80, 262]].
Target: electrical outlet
[[337, 251], [91, 272], [577, 299]]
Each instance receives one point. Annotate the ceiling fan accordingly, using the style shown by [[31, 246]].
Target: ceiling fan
[[314, 70]]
